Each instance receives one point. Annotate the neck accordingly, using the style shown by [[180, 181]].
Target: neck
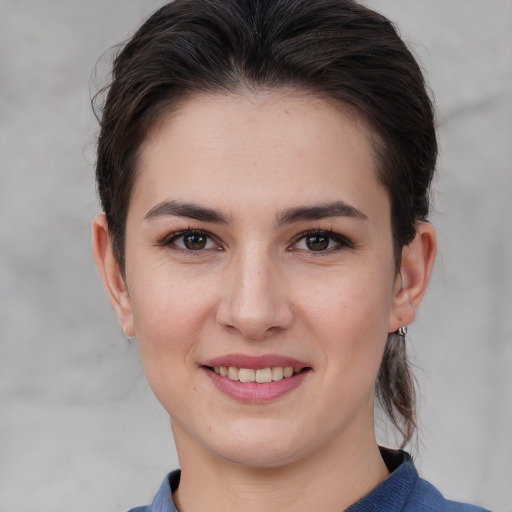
[[331, 479]]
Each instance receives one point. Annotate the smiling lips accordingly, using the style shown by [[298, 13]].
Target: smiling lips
[[256, 379]]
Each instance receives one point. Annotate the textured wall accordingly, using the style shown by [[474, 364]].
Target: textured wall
[[79, 429]]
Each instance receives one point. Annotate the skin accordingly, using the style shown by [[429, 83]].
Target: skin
[[257, 287]]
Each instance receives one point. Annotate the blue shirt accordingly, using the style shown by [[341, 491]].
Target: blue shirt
[[402, 491]]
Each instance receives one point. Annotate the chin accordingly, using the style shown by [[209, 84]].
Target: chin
[[259, 451], [258, 458]]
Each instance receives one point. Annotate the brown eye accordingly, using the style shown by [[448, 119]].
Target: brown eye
[[190, 240], [317, 242], [195, 241]]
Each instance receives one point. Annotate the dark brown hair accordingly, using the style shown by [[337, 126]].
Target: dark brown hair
[[335, 49]]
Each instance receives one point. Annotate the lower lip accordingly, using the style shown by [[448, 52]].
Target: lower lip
[[255, 392]]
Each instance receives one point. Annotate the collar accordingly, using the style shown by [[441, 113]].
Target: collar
[[393, 493]]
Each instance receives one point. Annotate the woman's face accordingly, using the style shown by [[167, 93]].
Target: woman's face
[[258, 239]]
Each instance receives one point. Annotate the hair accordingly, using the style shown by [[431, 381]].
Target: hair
[[338, 50]]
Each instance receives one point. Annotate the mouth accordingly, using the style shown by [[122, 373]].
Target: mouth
[[256, 379], [259, 375]]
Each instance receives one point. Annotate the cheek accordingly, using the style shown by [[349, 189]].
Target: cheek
[[169, 313], [350, 300], [168, 321], [348, 315]]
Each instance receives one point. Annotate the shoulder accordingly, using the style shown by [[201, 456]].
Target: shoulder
[[406, 491], [425, 497]]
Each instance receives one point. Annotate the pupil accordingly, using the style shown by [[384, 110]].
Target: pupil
[[317, 242], [195, 241]]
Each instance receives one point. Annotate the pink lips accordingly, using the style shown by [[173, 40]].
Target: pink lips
[[253, 392]]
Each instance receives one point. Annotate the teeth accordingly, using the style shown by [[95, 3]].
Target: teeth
[[277, 373], [261, 375], [233, 373], [246, 375], [264, 375]]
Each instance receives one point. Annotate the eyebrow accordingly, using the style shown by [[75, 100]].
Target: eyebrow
[[301, 213], [317, 212], [189, 210]]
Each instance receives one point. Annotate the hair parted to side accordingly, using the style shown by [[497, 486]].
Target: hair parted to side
[[338, 50]]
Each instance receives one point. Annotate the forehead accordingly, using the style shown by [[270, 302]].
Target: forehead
[[267, 145], [245, 108]]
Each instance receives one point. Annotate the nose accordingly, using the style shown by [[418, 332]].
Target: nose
[[254, 299]]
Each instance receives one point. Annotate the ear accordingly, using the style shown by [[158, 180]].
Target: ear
[[412, 280], [111, 274]]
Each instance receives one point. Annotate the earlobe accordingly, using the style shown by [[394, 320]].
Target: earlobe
[[111, 274], [412, 280]]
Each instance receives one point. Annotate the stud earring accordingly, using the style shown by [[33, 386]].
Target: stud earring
[[402, 331]]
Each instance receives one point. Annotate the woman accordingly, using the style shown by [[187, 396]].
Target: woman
[[264, 169]]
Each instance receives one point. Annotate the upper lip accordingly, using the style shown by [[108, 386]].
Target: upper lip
[[255, 362]]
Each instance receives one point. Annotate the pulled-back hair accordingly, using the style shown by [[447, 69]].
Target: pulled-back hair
[[335, 49]]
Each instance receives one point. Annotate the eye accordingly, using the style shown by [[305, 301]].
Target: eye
[[190, 240], [320, 241]]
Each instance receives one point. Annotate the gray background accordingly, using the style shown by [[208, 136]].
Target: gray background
[[79, 429]]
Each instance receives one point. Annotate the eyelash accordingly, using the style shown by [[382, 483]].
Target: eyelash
[[172, 238], [341, 241]]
